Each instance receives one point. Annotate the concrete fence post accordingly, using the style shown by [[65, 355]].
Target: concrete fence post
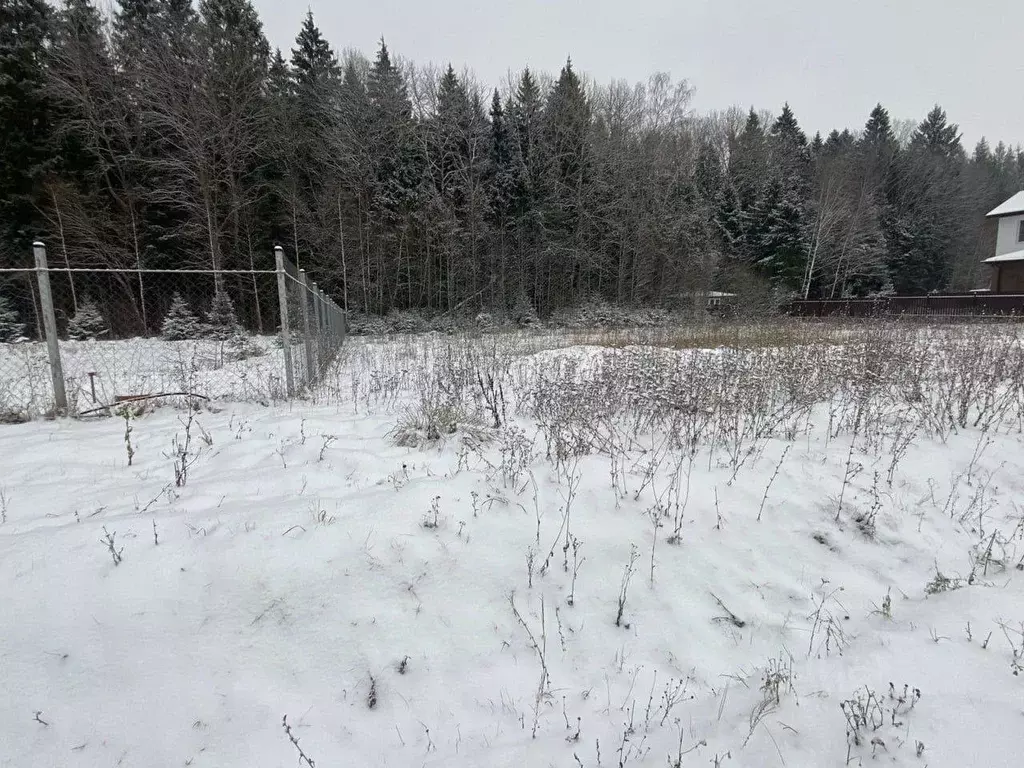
[[308, 338], [60, 396], [286, 342]]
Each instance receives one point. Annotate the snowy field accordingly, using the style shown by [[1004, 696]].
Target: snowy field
[[139, 366], [534, 551]]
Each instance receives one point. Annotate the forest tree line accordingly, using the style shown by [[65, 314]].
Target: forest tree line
[[169, 135]]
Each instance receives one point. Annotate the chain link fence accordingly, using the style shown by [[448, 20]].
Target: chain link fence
[[80, 340]]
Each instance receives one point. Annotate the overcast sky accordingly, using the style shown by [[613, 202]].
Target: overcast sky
[[831, 60]]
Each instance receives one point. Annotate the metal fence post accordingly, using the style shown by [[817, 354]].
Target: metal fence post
[[318, 315], [60, 396], [282, 299], [327, 318], [308, 339], [326, 312]]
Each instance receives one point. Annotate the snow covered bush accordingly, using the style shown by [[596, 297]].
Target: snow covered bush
[[598, 313], [444, 323], [180, 323], [364, 324], [406, 321], [221, 321], [244, 347], [88, 323], [431, 422], [10, 329]]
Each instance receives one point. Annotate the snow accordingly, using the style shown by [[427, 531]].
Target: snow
[[1012, 256], [1012, 206], [298, 569], [139, 366]]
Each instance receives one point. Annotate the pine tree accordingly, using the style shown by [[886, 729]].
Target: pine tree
[[503, 184], [732, 223], [937, 135], [275, 208], [221, 321], [87, 323], [315, 81], [925, 195], [24, 122], [791, 154], [180, 323], [787, 130], [79, 63], [396, 153], [154, 52], [839, 143], [783, 242], [748, 163], [227, 165], [983, 153], [504, 170], [449, 145], [878, 129], [237, 52], [313, 61], [525, 115], [134, 22], [817, 145], [567, 123], [10, 328]]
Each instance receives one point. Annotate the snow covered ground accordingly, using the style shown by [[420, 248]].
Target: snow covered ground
[[661, 557], [139, 366]]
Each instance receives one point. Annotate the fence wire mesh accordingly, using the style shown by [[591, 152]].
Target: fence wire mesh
[[316, 324], [141, 333]]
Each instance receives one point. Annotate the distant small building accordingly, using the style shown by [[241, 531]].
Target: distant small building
[[1008, 263], [712, 301]]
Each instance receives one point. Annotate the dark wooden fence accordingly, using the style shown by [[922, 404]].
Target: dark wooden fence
[[966, 305]]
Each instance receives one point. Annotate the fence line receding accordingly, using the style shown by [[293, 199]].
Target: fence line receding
[[78, 339]]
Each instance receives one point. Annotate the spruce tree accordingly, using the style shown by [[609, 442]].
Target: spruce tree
[[395, 151], [275, 208], [180, 323], [504, 177], [567, 123], [24, 123], [135, 21], [748, 163], [925, 194], [315, 80], [878, 129], [732, 224], [221, 321], [839, 143], [449, 145], [526, 118], [791, 154], [983, 154], [937, 135], [783, 240], [10, 328], [787, 130], [503, 184], [313, 61], [82, 88], [88, 323], [817, 145]]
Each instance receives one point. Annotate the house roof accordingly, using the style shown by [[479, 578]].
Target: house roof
[[1012, 206], [1011, 256]]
